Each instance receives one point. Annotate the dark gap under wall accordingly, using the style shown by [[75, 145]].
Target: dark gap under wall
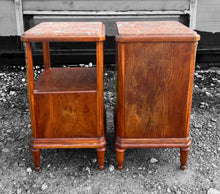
[[12, 51], [209, 48]]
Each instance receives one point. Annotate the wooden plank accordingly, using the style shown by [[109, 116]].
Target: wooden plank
[[96, 5], [7, 18], [109, 21], [109, 18], [208, 16], [106, 13]]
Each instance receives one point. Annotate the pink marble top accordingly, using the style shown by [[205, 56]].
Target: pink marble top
[[66, 29], [155, 28]]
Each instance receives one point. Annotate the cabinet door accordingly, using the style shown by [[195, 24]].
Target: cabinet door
[[67, 115]]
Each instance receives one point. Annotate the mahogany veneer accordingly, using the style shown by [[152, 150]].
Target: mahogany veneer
[[66, 104], [155, 70]]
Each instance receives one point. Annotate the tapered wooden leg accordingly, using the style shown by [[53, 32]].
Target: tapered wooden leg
[[120, 157], [115, 122], [183, 157], [101, 157], [36, 158], [105, 123], [46, 51]]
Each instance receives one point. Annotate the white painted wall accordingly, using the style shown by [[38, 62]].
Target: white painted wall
[[208, 16], [207, 12], [7, 18], [109, 5]]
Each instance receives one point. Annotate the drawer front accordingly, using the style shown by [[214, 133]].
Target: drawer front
[[66, 115]]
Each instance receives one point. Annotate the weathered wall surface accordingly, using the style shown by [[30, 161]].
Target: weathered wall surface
[[86, 10], [208, 12], [7, 18], [208, 15], [110, 5], [8, 26]]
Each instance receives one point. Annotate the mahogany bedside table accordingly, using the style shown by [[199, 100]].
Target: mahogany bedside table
[[155, 70], [66, 104]]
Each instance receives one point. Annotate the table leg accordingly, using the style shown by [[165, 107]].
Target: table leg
[[36, 158], [46, 51], [101, 157], [120, 157], [183, 157]]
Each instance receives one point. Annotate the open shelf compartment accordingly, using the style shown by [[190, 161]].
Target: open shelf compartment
[[66, 79]]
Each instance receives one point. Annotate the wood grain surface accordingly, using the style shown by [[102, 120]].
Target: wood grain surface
[[157, 83], [65, 31], [66, 115], [155, 31]]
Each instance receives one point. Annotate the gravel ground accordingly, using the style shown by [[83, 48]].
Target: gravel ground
[[76, 171]]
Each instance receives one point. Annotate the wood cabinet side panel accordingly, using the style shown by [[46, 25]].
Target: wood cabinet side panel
[[120, 89], [157, 89]]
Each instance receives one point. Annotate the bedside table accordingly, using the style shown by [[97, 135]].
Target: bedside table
[[155, 70], [66, 104]]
